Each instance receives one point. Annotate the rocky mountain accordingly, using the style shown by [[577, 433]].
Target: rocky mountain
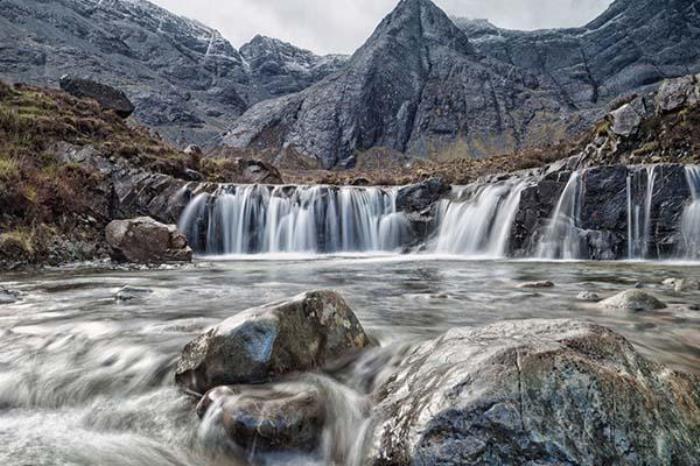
[[282, 68], [185, 79], [425, 84]]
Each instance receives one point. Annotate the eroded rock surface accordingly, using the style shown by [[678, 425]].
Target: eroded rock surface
[[144, 240], [632, 301], [535, 392]]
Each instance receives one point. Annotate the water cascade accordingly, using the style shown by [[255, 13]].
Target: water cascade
[[562, 239], [690, 223], [248, 219], [640, 194], [479, 221]]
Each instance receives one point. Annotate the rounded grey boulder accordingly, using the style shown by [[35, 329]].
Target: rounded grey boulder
[[146, 241], [307, 332], [534, 392], [632, 301]]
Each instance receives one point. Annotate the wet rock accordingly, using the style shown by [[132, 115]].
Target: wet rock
[[129, 294], [8, 296], [588, 296], [537, 285], [309, 331], [144, 240], [680, 285], [108, 97], [625, 120], [534, 392], [421, 196], [268, 418], [632, 300]]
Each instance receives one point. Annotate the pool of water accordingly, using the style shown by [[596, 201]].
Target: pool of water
[[87, 380]]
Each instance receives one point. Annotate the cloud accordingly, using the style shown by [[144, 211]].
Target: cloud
[[341, 26]]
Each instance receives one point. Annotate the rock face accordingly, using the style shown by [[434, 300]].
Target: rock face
[[425, 84], [307, 332], [422, 196], [632, 301], [268, 418], [535, 392], [144, 240], [185, 79], [108, 97]]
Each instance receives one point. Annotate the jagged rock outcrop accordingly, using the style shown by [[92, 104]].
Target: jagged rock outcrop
[[185, 79], [422, 85], [534, 392]]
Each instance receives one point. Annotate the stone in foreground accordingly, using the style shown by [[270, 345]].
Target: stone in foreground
[[309, 331], [146, 241], [534, 392], [632, 301], [280, 417], [108, 97]]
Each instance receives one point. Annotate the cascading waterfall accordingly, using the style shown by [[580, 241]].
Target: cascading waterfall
[[562, 239], [690, 223], [639, 211], [481, 224], [248, 219]]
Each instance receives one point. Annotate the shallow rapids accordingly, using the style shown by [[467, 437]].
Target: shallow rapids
[[87, 380]]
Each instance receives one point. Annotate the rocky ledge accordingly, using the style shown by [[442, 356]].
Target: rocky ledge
[[531, 391]]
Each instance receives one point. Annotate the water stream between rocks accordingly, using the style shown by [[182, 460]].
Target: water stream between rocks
[[86, 379]]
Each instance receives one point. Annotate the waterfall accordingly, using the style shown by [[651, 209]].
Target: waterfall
[[248, 219], [690, 223], [480, 225], [562, 239], [640, 194]]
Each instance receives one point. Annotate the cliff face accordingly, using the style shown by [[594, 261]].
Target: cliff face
[[186, 80], [425, 84]]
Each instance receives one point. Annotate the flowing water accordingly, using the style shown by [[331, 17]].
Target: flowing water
[[85, 380], [690, 226]]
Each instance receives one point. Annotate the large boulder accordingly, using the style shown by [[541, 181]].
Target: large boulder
[[108, 97], [144, 240], [279, 417], [261, 344], [625, 120], [534, 392]]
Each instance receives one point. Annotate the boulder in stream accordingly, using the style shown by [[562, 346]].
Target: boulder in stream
[[632, 301], [8, 296], [144, 240], [309, 331], [537, 285], [268, 418], [534, 392]]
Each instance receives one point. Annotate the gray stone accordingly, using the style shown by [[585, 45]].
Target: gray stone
[[540, 285], [268, 418], [130, 294], [632, 301], [625, 120], [8, 296], [680, 285], [309, 331], [674, 93], [144, 240], [534, 392], [588, 296]]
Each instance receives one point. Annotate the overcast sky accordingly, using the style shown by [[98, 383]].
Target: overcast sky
[[341, 26]]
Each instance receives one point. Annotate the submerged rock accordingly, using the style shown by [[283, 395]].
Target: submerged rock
[[268, 418], [8, 296], [537, 285], [681, 284], [534, 392], [634, 301], [588, 296], [131, 293], [261, 344], [144, 240], [108, 97]]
